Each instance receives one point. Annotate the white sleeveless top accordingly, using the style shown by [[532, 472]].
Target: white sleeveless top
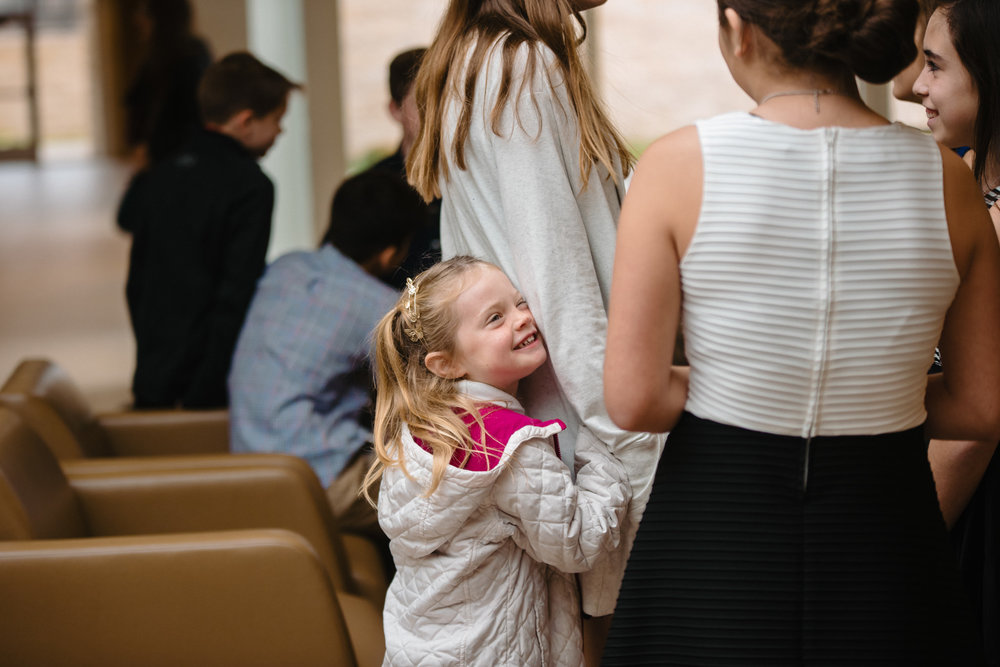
[[817, 280]]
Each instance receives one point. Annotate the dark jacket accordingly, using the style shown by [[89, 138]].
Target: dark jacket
[[425, 247], [200, 225]]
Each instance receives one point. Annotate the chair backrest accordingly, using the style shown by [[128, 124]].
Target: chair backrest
[[249, 598], [48, 399], [36, 501]]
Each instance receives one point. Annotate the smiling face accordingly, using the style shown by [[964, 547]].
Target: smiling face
[[945, 87], [496, 340]]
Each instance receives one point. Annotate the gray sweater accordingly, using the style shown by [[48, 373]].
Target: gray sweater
[[521, 204]]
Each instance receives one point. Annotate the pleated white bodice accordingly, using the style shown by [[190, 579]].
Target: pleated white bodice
[[817, 280]]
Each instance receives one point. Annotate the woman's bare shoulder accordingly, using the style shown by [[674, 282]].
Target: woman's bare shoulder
[[680, 144], [673, 162]]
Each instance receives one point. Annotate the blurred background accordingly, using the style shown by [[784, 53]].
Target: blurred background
[[64, 70]]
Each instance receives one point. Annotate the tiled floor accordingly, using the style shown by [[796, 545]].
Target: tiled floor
[[62, 273]]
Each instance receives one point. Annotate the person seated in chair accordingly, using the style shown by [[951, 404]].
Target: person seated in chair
[[300, 381]]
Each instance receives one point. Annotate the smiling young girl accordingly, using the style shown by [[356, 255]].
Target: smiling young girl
[[484, 518], [960, 87]]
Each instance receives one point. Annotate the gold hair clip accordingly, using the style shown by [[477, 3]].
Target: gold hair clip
[[412, 312]]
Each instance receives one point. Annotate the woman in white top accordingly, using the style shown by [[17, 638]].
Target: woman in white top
[[814, 254]]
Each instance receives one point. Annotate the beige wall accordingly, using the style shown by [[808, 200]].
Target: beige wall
[[223, 23], [324, 91], [111, 77]]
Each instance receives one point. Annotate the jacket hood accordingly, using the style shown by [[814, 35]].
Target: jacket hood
[[440, 516], [418, 525]]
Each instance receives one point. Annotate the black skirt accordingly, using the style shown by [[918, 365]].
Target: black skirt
[[771, 550], [976, 537]]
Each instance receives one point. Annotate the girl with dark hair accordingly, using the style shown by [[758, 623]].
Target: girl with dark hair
[[960, 87], [963, 54], [814, 254]]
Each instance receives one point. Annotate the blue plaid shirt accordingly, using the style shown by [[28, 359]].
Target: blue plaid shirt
[[300, 378]]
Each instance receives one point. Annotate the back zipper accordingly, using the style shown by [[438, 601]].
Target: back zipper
[[805, 465]]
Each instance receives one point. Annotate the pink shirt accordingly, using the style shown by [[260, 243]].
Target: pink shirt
[[501, 423]]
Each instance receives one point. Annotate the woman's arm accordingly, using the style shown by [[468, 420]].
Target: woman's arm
[[958, 467], [642, 389], [963, 402]]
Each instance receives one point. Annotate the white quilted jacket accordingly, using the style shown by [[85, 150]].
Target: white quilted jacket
[[482, 563]]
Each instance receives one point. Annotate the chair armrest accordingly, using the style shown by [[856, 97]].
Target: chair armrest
[[364, 625], [49, 426], [233, 598], [174, 497], [166, 432], [145, 464]]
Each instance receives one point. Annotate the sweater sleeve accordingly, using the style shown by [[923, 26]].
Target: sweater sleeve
[[569, 526], [546, 223], [552, 222]]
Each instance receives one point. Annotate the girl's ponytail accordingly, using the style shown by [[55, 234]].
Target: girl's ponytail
[[408, 393], [390, 378]]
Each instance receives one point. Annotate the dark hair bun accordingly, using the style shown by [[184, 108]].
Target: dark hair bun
[[874, 38]]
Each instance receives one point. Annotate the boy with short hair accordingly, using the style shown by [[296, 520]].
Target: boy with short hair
[[200, 224], [300, 381]]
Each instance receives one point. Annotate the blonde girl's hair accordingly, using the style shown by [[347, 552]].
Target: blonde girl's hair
[[555, 24], [421, 322]]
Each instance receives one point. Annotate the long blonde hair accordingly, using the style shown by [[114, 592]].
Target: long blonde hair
[[556, 24], [407, 393]]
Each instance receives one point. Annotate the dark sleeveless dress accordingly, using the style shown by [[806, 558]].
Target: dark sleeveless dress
[[976, 538], [757, 549]]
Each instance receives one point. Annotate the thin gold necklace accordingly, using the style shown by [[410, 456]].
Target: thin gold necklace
[[815, 92]]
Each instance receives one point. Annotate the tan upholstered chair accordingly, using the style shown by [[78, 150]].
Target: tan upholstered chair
[[53, 406], [49, 400], [228, 598], [226, 491], [130, 565]]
